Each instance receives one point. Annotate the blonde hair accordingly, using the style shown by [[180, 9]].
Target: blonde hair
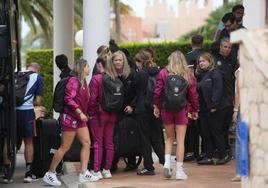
[[126, 68], [109, 68], [145, 59], [78, 70], [177, 65], [102, 49], [207, 56]]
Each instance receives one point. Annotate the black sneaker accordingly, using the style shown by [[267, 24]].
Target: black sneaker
[[5, 178], [201, 156], [189, 157], [223, 160], [130, 167], [206, 161], [145, 172], [29, 177]]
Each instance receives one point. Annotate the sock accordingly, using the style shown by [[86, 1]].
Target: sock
[[179, 165], [7, 166], [167, 161], [28, 167], [6, 169]]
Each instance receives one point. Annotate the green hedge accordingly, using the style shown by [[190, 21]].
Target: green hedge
[[45, 59]]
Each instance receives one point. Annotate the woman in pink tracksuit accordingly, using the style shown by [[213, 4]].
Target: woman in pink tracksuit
[[73, 122], [101, 122], [175, 121]]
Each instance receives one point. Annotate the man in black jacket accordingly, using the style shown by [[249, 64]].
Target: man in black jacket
[[192, 134], [62, 63], [227, 66], [197, 50]]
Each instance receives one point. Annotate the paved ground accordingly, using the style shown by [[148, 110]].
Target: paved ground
[[199, 177]]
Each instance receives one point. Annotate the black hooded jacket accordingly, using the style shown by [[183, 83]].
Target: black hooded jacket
[[140, 85], [210, 90]]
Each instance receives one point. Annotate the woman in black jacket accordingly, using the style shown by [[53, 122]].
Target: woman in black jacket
[[210, 89], [150, 127], [127, 77]]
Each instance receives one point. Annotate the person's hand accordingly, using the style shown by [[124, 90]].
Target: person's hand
[[128, 109], [195, 115], [83, 117], [156, 111], [213, 110], [235, 117]]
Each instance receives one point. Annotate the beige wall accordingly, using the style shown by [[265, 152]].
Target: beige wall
[[254, 101], [254, 14], [131, 29]]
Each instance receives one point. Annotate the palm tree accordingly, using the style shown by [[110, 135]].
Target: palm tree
[[38, 13], [119, 8], [212, 22]]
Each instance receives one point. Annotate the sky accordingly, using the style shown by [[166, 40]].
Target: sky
[[139, 5]]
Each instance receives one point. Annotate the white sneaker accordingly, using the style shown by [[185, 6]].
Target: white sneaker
[[180, 174], [51, 179], [29, 178], [97, 174], [86, 177], [106, 174], [167, 173]]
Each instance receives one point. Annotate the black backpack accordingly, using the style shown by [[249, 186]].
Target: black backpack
[[59, 94], [175, 93], [21, 81], [149, 96], [113, 94]]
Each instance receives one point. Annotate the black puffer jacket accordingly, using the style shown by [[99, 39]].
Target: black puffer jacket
[[129, 89], [140, 85], [210, 90]]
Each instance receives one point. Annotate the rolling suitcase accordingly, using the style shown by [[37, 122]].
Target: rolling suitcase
[[127, 139], [46, 142], [73, 155]]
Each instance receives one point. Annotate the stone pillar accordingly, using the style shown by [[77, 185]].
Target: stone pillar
[[63, 39], [96, 28], [254, 101], [257, 8], [63, 33]]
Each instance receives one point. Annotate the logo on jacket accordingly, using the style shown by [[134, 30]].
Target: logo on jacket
[[176, 89], [117, 91], [219, 63]]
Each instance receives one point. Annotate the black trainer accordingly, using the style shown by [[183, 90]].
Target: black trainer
[[206, 161], [201, 156], [223, 160], [6, 179], [189, 157], [130, 167], [145, 172], [29, 177]]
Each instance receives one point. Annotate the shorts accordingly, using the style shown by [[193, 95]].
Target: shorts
[[68, 123], [174, 118], [25, 123]]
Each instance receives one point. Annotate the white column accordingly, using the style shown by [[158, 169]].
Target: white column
[[254, 14], [63, 34], [96, 28], [63, 39]]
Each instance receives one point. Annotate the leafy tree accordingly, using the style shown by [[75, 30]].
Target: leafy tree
[[212, 22], [119, 8], [38, 13]]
